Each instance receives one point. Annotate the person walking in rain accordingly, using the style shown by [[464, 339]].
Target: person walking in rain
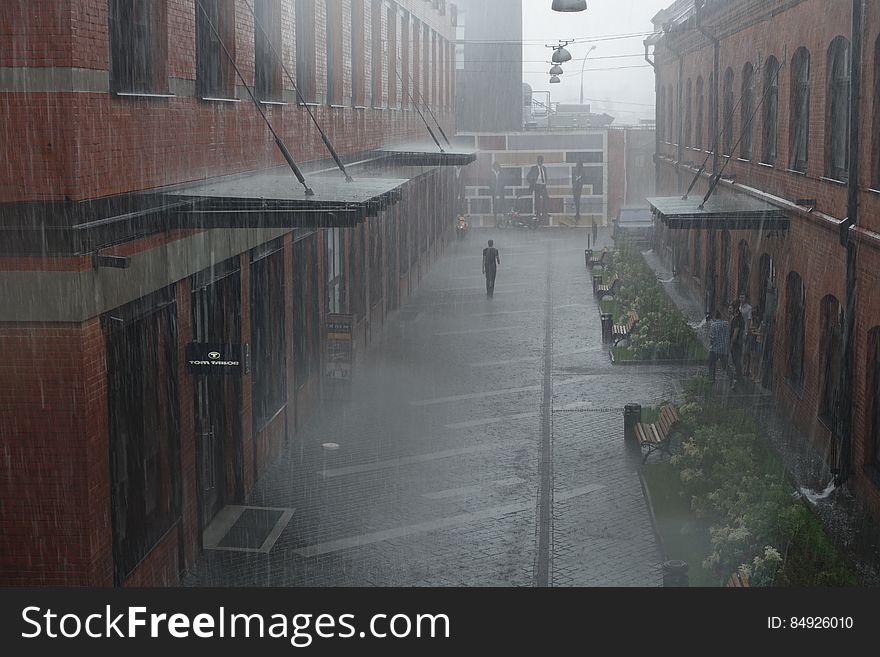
[[537, 179], [491, 260]]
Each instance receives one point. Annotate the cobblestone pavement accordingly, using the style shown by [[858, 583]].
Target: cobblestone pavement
[[483, 444]]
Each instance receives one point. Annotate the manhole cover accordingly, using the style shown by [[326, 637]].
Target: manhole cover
[[251, 529]]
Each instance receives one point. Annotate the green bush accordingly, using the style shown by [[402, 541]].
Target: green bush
[[758, 523]]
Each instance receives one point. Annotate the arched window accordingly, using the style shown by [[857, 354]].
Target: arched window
[[698, 127], [744, 269], [727, 127], [712, 132], [795, 308], [837, 114], [771, 110], [799, 120], [875, 152], [874, 395], [831, 351], [746, 110], [725, 268], [688, 112]]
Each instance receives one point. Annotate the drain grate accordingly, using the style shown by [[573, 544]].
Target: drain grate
[[251, 529]]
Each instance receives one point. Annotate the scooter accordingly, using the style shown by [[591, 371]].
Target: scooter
[[461, 228]]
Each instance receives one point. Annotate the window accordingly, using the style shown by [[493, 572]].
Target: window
[[267, 41], [713, 114], [393, 55], [698, 127], [688, 113], [215, 28], [670, 117], [459, 41], [746, 110], [771, 110], [143, 421], [800, 109], [661, 115], [335, 53], [728, 100], [358, 53], [744, 270], [875, 173], [267, 333], [377, 51], [837, 115], [137, 55], [306, 77], [795, 300], [832, 355], [874, 395], [725, 268], [334, 270], [405, 55]]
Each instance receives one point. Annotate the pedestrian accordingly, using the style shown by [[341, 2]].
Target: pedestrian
[[537, 179], [737, 340], [496, 186], [491, 260], [577, 187], [719, 338], [752, 351], [745, 308]]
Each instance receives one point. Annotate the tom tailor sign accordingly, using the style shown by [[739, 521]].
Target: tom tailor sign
[[209, 358]]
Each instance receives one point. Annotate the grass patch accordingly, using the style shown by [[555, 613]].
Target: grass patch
[[683, 536], [693, 351], [612, 307]]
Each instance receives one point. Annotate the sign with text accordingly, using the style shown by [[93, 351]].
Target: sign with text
[[340, 352], [213, 358]]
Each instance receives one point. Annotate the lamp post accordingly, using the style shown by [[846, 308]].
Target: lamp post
[[582, 72]]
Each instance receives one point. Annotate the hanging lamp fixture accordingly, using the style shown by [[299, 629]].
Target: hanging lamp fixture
[[569, 5]]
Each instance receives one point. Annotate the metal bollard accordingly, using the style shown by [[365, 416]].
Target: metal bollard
[[588, 255], [607, 326], [632, 415], [675, 573]]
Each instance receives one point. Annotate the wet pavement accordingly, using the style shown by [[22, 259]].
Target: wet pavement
[[483, 444]]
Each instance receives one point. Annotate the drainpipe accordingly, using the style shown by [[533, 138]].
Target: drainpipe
[[711, 300], [844, 420]]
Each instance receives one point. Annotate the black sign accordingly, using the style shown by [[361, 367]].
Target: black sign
[[211, 358]]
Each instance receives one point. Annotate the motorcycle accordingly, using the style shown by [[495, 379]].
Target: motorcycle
[[461, 228]]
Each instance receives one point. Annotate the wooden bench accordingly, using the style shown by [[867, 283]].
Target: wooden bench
[[611, 290], [738, 580], [622, 331], [657, 436], [601, 261]]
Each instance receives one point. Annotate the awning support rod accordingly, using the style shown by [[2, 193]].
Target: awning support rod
[[428, 107], [299, 95], [424, 120], [287, 156], [716, 179]]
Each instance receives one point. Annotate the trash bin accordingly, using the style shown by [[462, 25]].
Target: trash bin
[[607, 325], [675, 573], [597, 281], [632, 415], [588, 255]]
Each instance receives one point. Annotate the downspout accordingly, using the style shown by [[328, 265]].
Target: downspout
[[844, 420], [713, 251]]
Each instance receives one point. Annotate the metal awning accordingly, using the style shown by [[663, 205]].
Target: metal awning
[[276, 192], [427, 154], [727, 211]]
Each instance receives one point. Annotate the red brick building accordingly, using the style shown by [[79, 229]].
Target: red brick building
[[117, 116], [775, 113]]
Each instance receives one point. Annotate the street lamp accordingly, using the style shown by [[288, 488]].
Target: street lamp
[[560, 55], [582, 72], [556, 70], [555, 79]]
